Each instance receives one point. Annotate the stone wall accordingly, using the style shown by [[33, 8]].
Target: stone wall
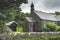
[[26, 35]]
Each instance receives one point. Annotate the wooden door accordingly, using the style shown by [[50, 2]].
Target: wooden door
[[33, 27]]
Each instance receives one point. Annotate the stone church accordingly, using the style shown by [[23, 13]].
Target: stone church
[[35, 22]]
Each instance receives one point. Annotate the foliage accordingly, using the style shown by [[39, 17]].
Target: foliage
[[50, 27], [19, 29], [8, 14], [2, 16], [9, 10], [6, 4], [20, 17], [57, 28]]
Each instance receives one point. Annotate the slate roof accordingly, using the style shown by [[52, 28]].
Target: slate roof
[[47, 16], [9, 23], [30, 19]]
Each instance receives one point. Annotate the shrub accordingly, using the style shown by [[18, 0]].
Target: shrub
[[19, 29], [57, 28], [50, 26]]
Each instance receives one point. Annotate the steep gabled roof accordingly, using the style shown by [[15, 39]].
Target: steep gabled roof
[[47, 16], [11, 23]]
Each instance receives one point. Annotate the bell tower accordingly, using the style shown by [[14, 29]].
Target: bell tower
[[32, 7]]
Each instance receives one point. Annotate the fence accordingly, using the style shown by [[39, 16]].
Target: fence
[[25, 35]]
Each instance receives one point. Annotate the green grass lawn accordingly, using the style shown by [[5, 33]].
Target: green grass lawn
[[38, 38], [56, 37]]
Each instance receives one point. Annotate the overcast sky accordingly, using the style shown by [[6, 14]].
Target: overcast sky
[[42, 5]]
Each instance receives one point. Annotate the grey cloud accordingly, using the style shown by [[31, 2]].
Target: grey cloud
[[52, 4], [44, 5]]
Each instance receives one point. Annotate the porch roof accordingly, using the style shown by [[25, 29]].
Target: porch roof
[[30, 19]]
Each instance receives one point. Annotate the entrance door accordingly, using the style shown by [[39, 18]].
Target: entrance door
[[33, 27]]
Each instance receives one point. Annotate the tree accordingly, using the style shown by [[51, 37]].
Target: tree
[[6, 4], [50, 26], [20, 17], [8, 10], [2, 18]]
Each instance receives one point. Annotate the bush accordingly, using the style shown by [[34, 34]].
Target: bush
[[57, 28], [45, 29], [50, 27], [19, 29]]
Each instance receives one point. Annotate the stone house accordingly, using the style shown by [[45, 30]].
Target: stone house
[[12, 25], [35, 22]]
